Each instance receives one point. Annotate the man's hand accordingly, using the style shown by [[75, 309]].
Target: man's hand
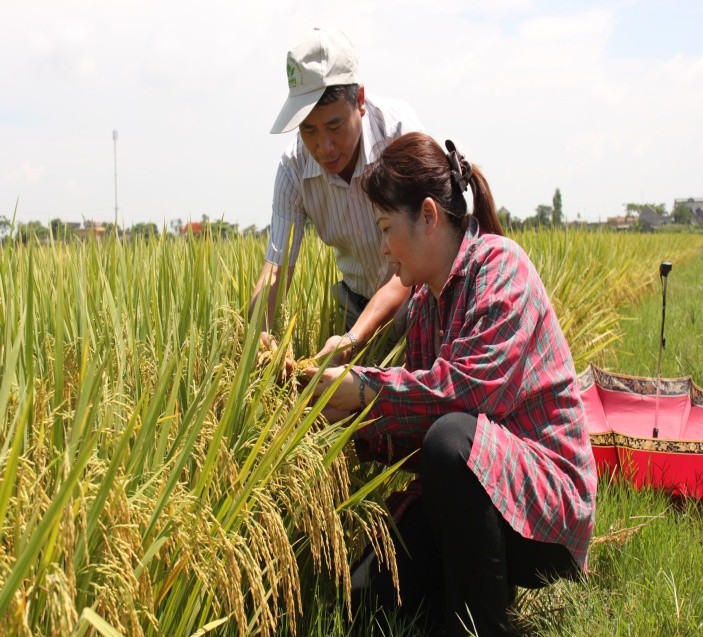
[[341, 345]]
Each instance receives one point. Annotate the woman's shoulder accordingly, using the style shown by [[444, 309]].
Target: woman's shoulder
[[487, 248], [498, 243], [494, 262]]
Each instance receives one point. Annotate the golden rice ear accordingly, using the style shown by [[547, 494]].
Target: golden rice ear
[[306, 363], [299, 367]]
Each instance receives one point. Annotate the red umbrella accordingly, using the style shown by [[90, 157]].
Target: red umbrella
[[648, 429], [622, 414]]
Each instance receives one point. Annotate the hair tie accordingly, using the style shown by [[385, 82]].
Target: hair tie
[[460, 167]]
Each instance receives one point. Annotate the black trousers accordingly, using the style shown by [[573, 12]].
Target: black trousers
[[457, 557], [350, 304]]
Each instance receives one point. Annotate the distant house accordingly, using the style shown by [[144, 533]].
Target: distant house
[[194, 227], [90, 228], [695, 206], [650, 220], [622, 223]]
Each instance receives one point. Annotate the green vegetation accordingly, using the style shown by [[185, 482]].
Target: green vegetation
[[161, 475], [158, 474], [637, 353], [647, 554], [645, 563], [590, 276]]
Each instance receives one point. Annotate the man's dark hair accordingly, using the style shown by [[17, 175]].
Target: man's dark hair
[[346, 92]]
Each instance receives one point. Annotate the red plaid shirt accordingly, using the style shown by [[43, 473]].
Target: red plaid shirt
[[503, 358]]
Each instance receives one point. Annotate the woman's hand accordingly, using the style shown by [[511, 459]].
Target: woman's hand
[[267, 341], [346, 397], [335, 415]]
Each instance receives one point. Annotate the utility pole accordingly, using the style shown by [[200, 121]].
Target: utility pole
[[114, 141]]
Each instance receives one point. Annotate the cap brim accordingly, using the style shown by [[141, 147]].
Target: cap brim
[[295, 109]]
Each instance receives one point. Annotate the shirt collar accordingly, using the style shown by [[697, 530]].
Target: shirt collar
[[367, 153], [460, 266], [312, 169]]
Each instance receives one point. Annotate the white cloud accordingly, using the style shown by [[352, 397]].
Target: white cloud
[[530, 90], [63, 48], [26, 174]]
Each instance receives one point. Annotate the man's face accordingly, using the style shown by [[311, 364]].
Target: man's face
[[332, 135]]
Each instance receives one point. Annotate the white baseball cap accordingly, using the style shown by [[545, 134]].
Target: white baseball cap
[[322, 58]]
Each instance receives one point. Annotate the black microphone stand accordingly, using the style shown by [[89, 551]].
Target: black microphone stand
[[664, 269]]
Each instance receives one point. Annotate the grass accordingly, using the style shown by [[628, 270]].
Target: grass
[[645, 561], [647, 555], [158, 475], [637, 353]]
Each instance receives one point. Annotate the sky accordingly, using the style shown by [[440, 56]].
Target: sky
[[603, 100]]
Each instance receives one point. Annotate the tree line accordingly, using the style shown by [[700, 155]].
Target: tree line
[[60, 230], [553, 216]]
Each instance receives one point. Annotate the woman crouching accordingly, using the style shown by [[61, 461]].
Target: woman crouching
[[505, 494]]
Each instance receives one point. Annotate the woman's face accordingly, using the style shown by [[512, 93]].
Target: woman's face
[[402, 247]]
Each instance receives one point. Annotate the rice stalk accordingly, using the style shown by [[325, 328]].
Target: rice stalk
[[160, 476]]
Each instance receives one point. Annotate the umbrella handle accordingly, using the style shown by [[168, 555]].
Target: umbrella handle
[[664, 269]]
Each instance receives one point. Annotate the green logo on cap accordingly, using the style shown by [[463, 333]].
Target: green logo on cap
[[290, 70]]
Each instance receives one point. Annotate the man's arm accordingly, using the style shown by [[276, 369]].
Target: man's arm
[[269, 276], [380, 309]]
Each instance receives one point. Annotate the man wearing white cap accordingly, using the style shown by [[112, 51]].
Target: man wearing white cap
[[340, 131]]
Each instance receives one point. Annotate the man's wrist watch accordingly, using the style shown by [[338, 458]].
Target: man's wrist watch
[[354, 343]]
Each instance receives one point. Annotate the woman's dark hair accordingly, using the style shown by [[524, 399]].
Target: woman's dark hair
[[414, 166]]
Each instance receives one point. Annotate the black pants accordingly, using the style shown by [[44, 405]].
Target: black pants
[[462, 558], [350, 304]]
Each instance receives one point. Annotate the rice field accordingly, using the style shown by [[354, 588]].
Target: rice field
[[161, 475]]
